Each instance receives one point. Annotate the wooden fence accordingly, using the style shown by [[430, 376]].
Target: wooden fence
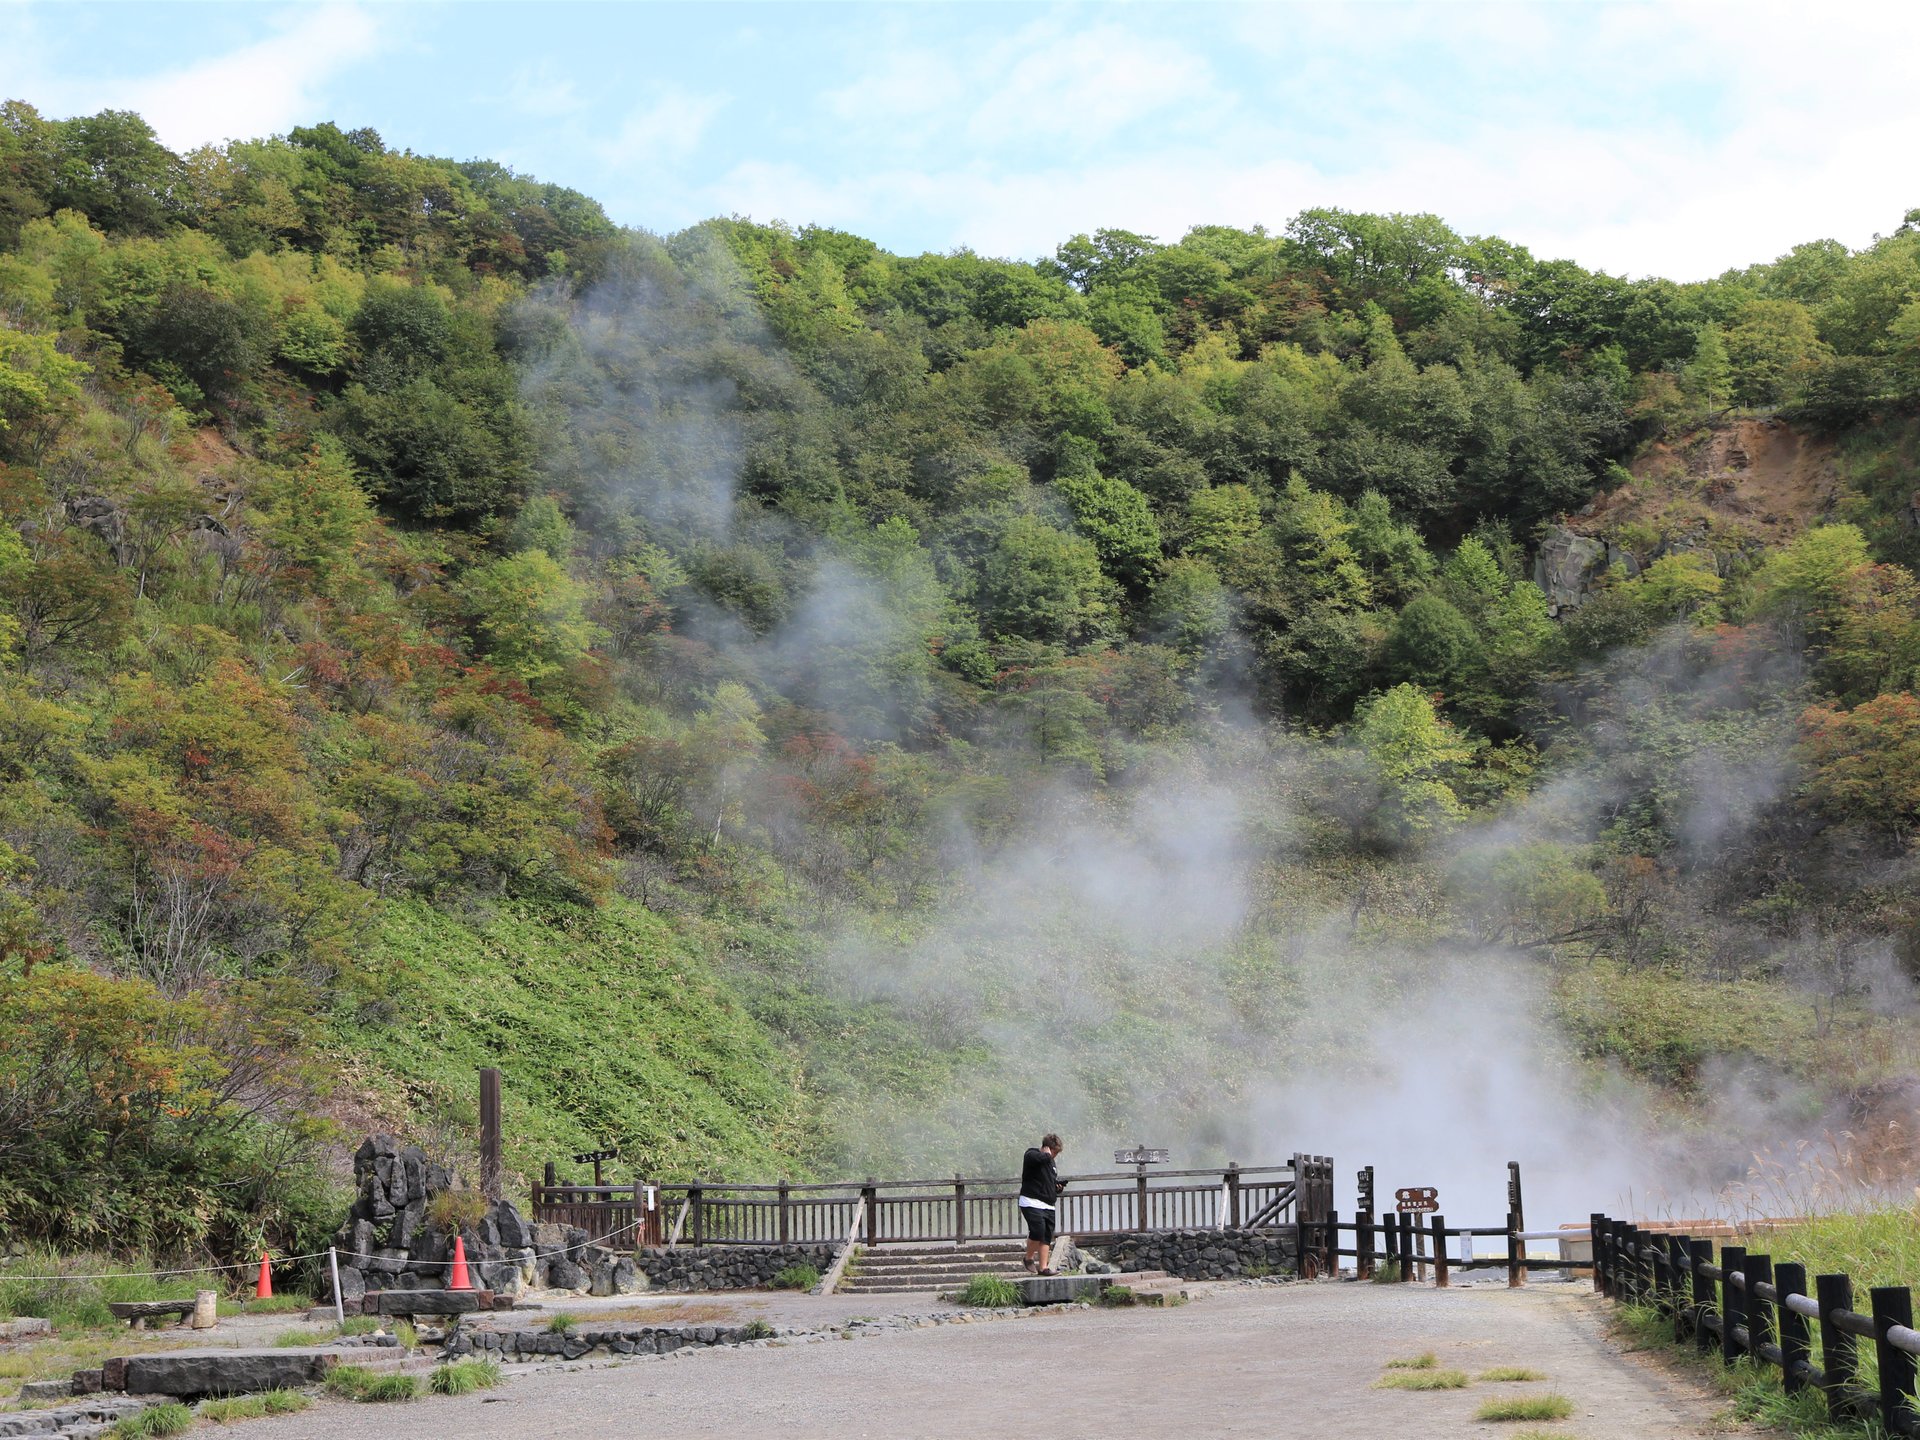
[[1747, 1305], [1096, 1206]]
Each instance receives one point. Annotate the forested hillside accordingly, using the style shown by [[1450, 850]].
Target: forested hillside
[[796, 706]]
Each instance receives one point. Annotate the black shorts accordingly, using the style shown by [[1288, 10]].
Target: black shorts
[[1039, 1225]]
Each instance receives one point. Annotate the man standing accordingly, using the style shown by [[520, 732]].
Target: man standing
[[1040, 1187]]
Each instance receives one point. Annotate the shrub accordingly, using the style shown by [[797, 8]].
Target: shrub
[[760, 1330], [1387, 1272], [797, 1277], [990, 1291], [464, 1376], [454, 1210], [1528, 1407], [561, 1323], [349, 1382], [1118, 1296]]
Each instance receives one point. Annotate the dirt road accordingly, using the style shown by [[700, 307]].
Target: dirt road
[[1296, 1360]]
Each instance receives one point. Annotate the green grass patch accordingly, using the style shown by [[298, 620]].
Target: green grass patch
[[1117, 1297], [463, 1377], [79, 1303], [990, 1292], [348, 1382], [761, 1330], [709, 1079], [253, 1407], [1427, 1360], [1525, 1407], [797, 1277], [1509, 1375], [385, 1389], [1422, 1380], [561, 1323], [1386, 1272], [289, 1302], [171, 1419]]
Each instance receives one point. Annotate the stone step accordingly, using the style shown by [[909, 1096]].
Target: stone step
[[936, 1262]]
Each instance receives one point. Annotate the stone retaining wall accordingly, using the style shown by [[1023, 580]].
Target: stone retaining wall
[[1206, 1254], [532, 1345], [727, 1267]]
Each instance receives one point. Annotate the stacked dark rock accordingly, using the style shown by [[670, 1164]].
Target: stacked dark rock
[[389, 1240]]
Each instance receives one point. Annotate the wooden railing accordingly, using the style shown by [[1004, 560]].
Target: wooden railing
[[1747, 1305], [960, 1210], [616, 1212]]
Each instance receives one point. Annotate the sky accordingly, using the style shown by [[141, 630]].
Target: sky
[[1671, 139]]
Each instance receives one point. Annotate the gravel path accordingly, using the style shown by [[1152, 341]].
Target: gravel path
[[1241, 1360]]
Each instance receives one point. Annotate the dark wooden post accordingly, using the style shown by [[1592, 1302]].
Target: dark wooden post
[[960, 1211], [1680, 1271], [1233, 1194], [1406, 1247], [1515, 1270], [1330, 1245], [490, 1133], [1839, 1360], [1657, 1271], [641, 1220], [1516, 1275], [1733, 1300], [696, 1206], [871, 1194], [1759, 1309], [1596, 1248], [1699, 1256], [548, 1177], [786, 1212], [1893, 1305], [1363, 1244], [1140, 1200], [1790, 1279], [1439, 1224]]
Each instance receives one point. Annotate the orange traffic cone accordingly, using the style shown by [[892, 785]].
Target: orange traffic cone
[[458, 1280], [263, 1287]]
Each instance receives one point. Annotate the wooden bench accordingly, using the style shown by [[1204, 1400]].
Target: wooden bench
[[137, 1312]]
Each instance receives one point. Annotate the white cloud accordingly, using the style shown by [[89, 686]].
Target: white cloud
[[258, 89], [669, 129], [544, 91]]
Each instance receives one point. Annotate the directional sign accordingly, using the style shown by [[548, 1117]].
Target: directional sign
[[1140, 1155], [1416, 1199], [589, 1157]]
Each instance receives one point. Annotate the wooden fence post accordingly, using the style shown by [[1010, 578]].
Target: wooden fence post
[[1406, 1247], [1439, 1224], [1596, 1224], [960, 1211], [1893, 1305], [1680, 1277], [1657, 1269], [1699, 1256], [1514, 1256], [786, 1212], [1839, 1360], [870, 1193], [1233, 1194], [490, 1133], [1759, 1310], [696, 1203], [640, 1216], [1330, 1245], [1363, 1243], [1733, 1301], [1790, 1279], [1140, 1201]]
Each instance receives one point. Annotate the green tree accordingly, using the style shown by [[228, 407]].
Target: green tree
[[1111, 513], [1709, 373], [1416, 756], [1042, 584], [529, 617]]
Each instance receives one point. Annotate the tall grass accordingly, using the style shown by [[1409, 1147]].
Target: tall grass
[[82, 1303]]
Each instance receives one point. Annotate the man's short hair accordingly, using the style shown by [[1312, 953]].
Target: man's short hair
[[1051, 1142]]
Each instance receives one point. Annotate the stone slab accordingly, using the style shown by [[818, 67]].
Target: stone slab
[[425, 1302], [226, 1372], [25, 1327], [1060, 1289]]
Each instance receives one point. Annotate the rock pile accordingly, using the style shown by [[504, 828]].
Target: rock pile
[[390, 1242], [729, 1267]]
